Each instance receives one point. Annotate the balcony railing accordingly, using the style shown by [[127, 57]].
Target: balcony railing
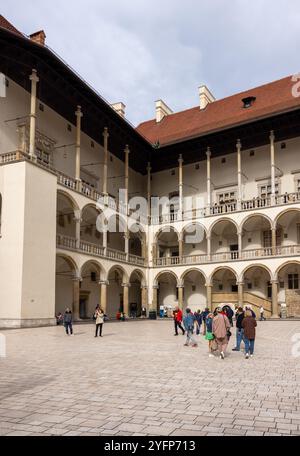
[[70, 243], [95, 195], [224, 257]]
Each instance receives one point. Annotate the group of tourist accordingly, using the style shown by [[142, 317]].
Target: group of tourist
[[217, 328], [67, 320]]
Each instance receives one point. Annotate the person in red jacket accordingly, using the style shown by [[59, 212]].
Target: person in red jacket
[[178, 316]]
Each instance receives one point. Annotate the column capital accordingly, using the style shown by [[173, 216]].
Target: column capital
[[239, 144], [272, 136], [78, 112], [155, 287], [126, 285], [34, 77], [127, 150], [274, 282], [77, 279], [240, 283], [144, 287], [149, 169], [103, 282], [208, 285], [180, 159], [105, 132], [208, 152]]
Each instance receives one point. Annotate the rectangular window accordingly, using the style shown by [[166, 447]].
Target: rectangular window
[[266, 190], [227, 198], [293, 282]]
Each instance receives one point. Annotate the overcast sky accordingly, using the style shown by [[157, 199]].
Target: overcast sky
[[138, 51]]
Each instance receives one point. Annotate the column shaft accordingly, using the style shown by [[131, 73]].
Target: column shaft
[[105, 163], [274, 241], [275, 313], [180, 297], [180, 161], [76, 298], [78, 114], [32, 129], [273, 168], [127, 152], [241, 294], [126, 300], [209, 297], [149, 188], [103, 297], [239, 166]]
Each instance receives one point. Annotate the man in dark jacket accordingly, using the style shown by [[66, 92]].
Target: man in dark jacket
[[204, 315], [68, 319], [198, 318], [240, 315]]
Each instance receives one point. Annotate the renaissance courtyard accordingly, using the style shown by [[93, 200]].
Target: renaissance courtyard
[[140, 380]]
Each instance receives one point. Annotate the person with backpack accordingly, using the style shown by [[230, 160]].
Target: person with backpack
[[249, 324], [198, 318], [209, 333], [204, 315], [68, 320], [177, 315], [240, 315], [221, 331], [189, 323]]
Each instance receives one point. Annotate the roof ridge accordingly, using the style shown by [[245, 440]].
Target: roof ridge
[[4, 23]]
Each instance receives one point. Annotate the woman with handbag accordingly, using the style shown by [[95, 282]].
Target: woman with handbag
[[209, 334], [221, 331]]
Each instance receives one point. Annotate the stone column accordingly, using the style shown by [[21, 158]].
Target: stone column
[[79, 116], [144, 250], [209, 296], [127, 152], [126, 298], [275, 313], [103, 296], [145, 297], [208, 154], [34, 80], [154, 298], [273, 168], [78, 221], [180, 161], [239, 170], [274, 241], [240, 243], [127, 239], [180, 296], [104, 233], [241, 294], [76, 297], [181, 246], [105, 163], [209, 246], [149, 188]]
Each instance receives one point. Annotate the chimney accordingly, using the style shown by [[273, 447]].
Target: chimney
[[38, 37], [161, 110], [206, 97], [119, 108]]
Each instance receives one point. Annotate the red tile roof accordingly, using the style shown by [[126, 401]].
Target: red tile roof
[[7, 25], [271, 99]]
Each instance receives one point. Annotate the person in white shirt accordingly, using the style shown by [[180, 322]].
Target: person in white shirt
[[262, 314]]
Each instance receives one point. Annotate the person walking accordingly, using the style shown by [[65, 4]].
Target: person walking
[[189, 323], [198, 318], [221, 329], [249, 324], [178, 315], [68, 320], [229, 313], [209, 334], [240, 315], [99, 315], [204, 315], [262, 314]]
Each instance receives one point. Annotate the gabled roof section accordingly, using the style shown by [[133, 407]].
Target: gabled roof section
[[4, 23], [270, 99]]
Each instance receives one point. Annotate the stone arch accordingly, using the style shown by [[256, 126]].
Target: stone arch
[[223, 268], [220, 220], [66, 271], [287, 263], [166, 229], [167, 271], [97, 265], [141, 275], [70, 197], [194, 283], [185, 273], [256, 214], [285, 211], [251, 266], [120, 268]]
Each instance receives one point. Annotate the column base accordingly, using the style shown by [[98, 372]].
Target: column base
[[26, 323], [275, 317]]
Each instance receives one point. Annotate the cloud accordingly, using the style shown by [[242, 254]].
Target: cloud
[[139, 51]]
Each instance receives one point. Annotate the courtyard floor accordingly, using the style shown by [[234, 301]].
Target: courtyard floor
[[140, 380]]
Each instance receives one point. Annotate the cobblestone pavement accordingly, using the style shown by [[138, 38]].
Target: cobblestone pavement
[[140, 380]]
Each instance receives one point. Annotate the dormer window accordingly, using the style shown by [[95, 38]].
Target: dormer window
[[248, 102]]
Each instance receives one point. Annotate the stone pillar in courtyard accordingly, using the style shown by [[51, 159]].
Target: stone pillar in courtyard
[[180, 296], [275, 312], [126, 287], [76, 297], [209, 296], [103, 295], [241, 294], [32, 128]]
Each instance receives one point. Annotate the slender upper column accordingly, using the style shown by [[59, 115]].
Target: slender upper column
[[273, 168], [79, 116], [239, 170], [180, 161], [208, 155], [127, 152], [149, 188], [241, 293], [209, 296], [34, 80], [78, 221], [240, 244], [76, 297], [105, 163]]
